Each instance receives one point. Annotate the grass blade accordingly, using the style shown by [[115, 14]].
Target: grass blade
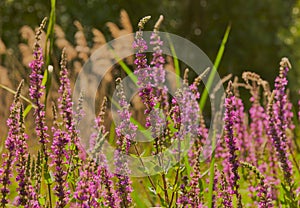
[[215, 68], [124, 67], [14, 92], [48, 49]]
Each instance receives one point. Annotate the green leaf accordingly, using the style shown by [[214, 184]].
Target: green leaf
[[50, 33], [157, 168], [124, 67], [48, 178], [14, 92], [45, 77], [42, 201], [112, 132], [27, 110], [137, 200], [187, 165], [215, 68], [49, 38]]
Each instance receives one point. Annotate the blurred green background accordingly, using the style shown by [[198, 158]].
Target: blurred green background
[[262, 31]]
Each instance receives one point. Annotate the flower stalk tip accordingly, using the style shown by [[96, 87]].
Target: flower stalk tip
[[143, 21]]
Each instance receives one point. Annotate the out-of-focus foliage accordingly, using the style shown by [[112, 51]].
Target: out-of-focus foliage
[[254, 38], [291, 38]]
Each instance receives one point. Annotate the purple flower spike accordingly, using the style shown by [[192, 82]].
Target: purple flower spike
[[11, 144], [263, 189], [126, 132], [230, 140], [278, 118], [60, 140], [22, 155], [86, 193], [224, 192], [36, 93]]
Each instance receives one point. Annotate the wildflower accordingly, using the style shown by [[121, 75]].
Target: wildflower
[[230, 139], [224, 194], [240, 127], [263, 189], [36, 173], [11, 144], [22, 154], [97, 137], [125, 128], [110, 196], [36, 92], [143, 70], [60, 140], [258, 124], [278, 119], [158, 60], [184, 200], [65, 100], [281, 104], [124, 187], [86, 193], [279, 144], [126, 132]]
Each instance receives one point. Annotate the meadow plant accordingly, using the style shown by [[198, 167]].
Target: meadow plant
[[253, 164]]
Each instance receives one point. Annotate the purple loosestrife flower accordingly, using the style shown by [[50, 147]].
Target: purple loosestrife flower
[[184, 200], [60, 154], [109, 194], [79, 110], [158, 60], [86, 193], [240, 128], [230, 139], [123, 184], [189, 110], [281, 103], [65, 105], [65, 100], [36, 92], [11, 144], [278, 117], [125, 128], [63, 134], [143, 70], [224, 192], [279, 144], [104, 175], [194, 155], [197, 150], [36, 173], [258, 123], [185, 115], [263, 189], [126, 132], [215, 186], [194, 198], [22, 155], [160, 94], [100, 134]]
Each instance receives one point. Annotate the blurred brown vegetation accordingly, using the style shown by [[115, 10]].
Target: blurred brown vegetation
[[78, 52]]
